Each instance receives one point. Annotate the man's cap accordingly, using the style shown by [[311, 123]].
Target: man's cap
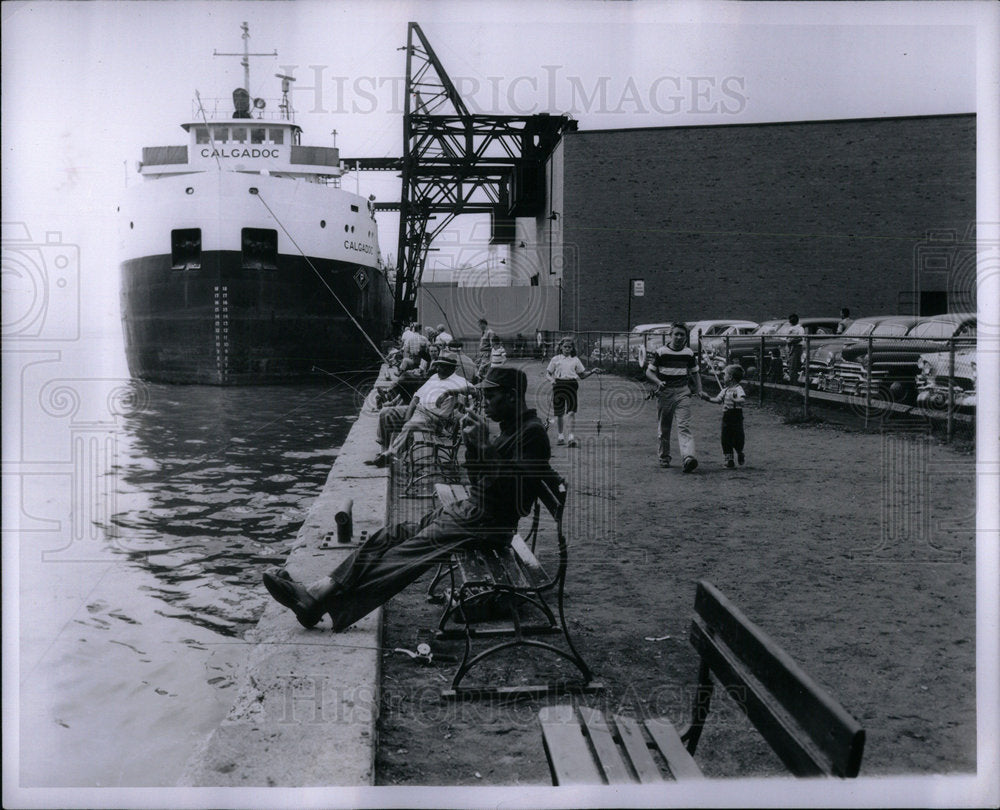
[[446, 358], [511, 379], [440, 327]]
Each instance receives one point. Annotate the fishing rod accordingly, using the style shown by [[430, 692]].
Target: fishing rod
[[256, 192]]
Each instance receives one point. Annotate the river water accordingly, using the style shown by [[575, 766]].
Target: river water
[[143, 572]]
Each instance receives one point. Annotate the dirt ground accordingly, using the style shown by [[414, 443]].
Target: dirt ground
[[853, 549]]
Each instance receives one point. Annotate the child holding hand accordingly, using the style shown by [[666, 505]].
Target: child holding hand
[[731, 395]]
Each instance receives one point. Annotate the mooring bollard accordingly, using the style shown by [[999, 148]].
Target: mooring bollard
[[344, 519]]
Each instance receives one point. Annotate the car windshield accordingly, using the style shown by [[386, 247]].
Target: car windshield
[[859, 328], [767, 328], [934, 329], [891, 329]]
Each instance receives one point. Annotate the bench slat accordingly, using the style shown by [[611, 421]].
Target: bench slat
[[449, 493], [820, 721], [786, 738], [668, 741], [615, 770], [569, 754], [635, 744], [533, 570]]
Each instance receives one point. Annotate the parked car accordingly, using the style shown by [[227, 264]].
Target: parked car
[[894, 360], [621, 347], [934, 372], [713, 348], [705, 329], [825, 354], [697, 331], [745, 349]]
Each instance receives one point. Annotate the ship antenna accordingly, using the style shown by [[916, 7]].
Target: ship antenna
[[246, 56], [285, 106], [211, 140]]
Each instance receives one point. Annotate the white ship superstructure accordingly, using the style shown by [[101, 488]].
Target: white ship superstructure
[[242, 258]]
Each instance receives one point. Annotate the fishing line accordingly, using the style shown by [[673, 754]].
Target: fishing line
[[211, 140], [255, 192], [341, 379], [446, 319]]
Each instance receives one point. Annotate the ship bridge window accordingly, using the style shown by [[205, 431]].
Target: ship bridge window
[[277, 136], [201, 135], [221, 134], [257, 135], [239, 135], [185, 249], [260, 249]]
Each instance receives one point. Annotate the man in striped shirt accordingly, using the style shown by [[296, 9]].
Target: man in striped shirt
[[674, 370]]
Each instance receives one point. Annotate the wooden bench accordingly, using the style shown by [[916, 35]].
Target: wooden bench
[[810, 732], [490, 588]]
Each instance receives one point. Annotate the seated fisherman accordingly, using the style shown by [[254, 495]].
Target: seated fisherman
[[432, 404], [504, 471]]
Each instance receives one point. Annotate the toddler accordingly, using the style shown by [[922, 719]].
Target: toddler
[[731, 396]]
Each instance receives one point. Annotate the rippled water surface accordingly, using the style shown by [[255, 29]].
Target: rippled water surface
[[130, 645]]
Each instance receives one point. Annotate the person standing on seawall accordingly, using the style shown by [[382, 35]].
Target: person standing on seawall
[[674, 370]]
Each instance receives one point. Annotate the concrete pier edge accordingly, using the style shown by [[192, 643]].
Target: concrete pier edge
[[307, 701]]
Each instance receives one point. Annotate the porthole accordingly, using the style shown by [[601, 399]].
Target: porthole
[[352, 229], [346, 229], [131, 225], [189, 190], [322, 223]]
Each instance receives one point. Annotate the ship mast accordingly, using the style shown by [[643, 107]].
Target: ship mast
[[246, 56]]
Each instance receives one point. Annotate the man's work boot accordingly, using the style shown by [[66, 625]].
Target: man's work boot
[[308, 604]]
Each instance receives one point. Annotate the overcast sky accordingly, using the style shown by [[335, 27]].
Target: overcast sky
[[87, 85]]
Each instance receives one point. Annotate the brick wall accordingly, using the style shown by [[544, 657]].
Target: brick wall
[[757, 221]]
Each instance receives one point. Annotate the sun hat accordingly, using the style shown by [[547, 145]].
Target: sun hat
[[446, 358]]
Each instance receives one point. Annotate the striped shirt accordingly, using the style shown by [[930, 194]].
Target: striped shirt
[[673, 367]]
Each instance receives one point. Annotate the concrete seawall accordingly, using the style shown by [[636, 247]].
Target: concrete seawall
[[307, 700]]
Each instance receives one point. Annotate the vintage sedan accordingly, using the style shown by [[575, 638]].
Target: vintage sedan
[[746, 349], [893, 361], [622, 347], [824, 355], [713, 348], [707, 329], [934, 371]]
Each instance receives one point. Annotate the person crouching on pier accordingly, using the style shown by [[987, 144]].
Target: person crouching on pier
[[505, 474]]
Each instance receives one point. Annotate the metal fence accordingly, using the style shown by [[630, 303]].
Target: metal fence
[[874, 376]]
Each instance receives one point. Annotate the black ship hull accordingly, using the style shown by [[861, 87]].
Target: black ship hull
[[223, 323]]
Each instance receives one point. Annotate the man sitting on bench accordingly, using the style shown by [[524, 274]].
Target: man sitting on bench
[[431, 406], [504, 473]]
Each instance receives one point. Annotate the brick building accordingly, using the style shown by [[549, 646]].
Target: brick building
[[757, 220]]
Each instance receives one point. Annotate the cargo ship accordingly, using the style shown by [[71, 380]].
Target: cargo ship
[[242, 259]]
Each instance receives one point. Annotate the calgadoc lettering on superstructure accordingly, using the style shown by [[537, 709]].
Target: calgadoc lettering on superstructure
[[241, 153]]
